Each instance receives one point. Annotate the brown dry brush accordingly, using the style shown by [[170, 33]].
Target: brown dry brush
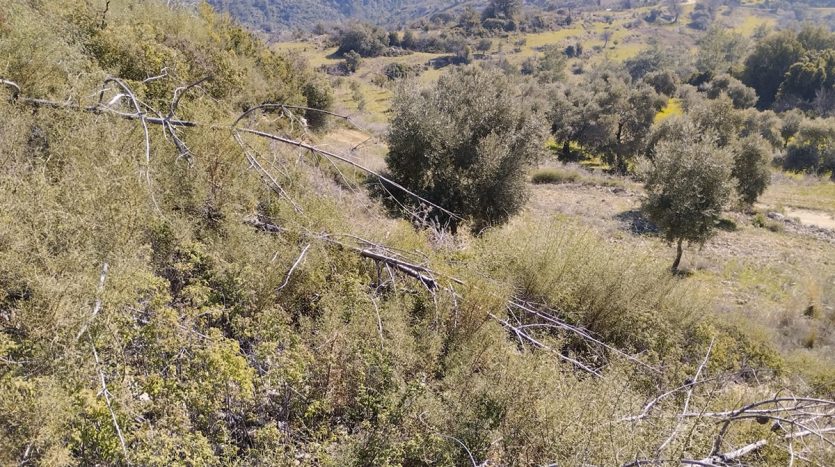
[[802, 427]]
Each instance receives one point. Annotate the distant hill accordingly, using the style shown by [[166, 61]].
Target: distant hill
[[276, 16]]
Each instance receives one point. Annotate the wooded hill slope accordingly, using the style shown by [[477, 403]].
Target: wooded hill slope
[[185, 279], [272, 16]]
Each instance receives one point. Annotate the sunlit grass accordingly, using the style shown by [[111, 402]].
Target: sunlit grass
[[672, 109], [751, 22], [802, 192]]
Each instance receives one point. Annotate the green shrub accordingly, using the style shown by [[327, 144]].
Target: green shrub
[[763, 222], [752, 158]]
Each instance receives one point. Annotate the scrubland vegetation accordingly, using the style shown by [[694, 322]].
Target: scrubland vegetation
[[204, 262]]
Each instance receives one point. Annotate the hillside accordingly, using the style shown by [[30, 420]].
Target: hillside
[[273, 16], [218, 251]]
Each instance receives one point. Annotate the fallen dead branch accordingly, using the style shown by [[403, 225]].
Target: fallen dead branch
[[96, 309], [169, 122], [687, 399], [293, 268], [97, 305], [331, 155], [423, 274], [12, 86]]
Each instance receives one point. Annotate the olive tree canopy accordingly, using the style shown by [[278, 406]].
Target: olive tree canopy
[[465, 144], [687, 186]]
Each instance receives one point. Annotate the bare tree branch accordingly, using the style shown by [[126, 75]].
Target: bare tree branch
[[686, 400], [265, 175], [13, 86], [350, 162], [141, 116], [97, 305], [293, 268], [107, 401], [736, 454]]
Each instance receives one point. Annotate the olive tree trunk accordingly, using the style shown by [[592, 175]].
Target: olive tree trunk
[[679, 251]]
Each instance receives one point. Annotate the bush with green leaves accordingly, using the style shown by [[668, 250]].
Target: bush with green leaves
[[688, 186], [353, 61], [813, 148], [364, 39], [649, 60], [752, 158], [790, 125], [465, 144], [766, 124], [663, 81], [790, 67], [396, 71], [319, 96], [741, 95]]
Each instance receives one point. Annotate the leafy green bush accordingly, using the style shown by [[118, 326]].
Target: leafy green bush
[[364, 39], [813, 149]]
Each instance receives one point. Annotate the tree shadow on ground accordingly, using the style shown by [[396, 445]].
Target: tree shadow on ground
[[637, 223]]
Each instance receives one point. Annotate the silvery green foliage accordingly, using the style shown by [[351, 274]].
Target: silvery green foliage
[[752, 156], [465, 144], [813, 147], [688, 185]]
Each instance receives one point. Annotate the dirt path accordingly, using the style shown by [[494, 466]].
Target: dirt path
[[815, 218]]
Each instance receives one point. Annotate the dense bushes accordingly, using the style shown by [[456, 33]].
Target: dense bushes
[[791, 68], [813, 149], [364, 39]]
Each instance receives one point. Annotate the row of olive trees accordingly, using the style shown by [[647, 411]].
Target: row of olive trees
[[466, 145]]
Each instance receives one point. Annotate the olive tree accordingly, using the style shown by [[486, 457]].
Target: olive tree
[[572, 114], [741, 95], [465, 144], [813, 148], [791, 121], [752, 156], [687, 187], [627, 112]]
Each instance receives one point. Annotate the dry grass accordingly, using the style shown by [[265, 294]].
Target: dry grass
[[800, 191]]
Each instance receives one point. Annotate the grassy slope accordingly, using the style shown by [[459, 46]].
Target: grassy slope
[[217, 350]]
